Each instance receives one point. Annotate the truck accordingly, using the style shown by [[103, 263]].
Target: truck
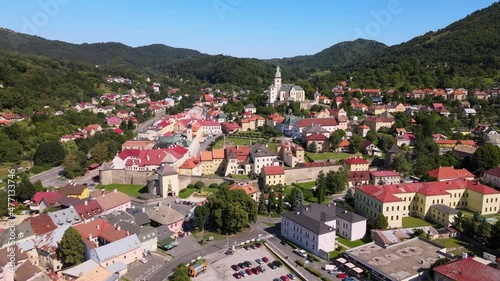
[[330, 267], [195, 269]]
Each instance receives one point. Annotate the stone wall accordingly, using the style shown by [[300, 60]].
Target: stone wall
[[297, 175], [124, 177], [184, 181]]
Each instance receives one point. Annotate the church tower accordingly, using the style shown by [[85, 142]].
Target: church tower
[[275, 87], [277, 78]]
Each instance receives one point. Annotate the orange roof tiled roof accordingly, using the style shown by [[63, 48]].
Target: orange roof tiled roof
[[450, 173], [247, 187], [218, 153], [206, 156], [191, 163], [344, 143], [273, 170]]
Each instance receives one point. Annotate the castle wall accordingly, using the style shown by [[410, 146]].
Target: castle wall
[[298, 175], [124, 177]]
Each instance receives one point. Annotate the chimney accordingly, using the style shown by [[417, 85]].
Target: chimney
[[118, 228], [90, 236], [114, 190], [86, 203], [98, 226], [143, 209]]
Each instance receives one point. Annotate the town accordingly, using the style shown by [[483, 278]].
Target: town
[[140, 166]]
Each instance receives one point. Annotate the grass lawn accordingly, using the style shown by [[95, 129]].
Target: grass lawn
[[329, 155], [409, 222], [240, 177], [130, 189], [315, 200], [238, 141], [207, 235], [307, 185], [350, 244], [186, 192], [335, 254], [457, 246]]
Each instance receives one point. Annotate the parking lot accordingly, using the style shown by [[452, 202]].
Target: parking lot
[[139, 271], [219, 266]]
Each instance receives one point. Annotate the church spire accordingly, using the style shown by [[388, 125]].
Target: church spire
[[278, 71]]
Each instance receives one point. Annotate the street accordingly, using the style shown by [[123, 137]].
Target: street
[[50, 177]]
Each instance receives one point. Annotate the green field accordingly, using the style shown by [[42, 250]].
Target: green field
[[410, 222], [130, 189], [328, 156], [457, 246], [238, 141], [186, 192], [350, 244], [307, 185]]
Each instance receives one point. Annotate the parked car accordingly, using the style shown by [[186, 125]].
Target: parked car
[[261, 268], [278, 263], [259, 261], [247, 263], [256, 270], [301, 253], [235, 267], [265, 259], [237, 275], [276, 279], [144, 260], [284, 278], [350, 279], [272, 265], [246, 248], [243, 273], [341, 275], [258, 245], [249, 271], [253, 247], [241, 265], [291, 276], [229, 252], [336, 272]]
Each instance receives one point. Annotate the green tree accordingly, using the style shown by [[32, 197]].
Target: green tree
[[487, 156], [262, 209], [237, 220], [494, 239], [4, 203], [380, 222], [25, 190], [293, 198], [401, 164], [312, 147], [38, 186], [483, 232], [180, 273], [199, 185], [99, 152], [71, 249], [201, 215], [372, 136], [279, 207], [271, 202], [356, 143], [321, 192], [51, 153], [299, 201], [458, 221], [386, 141], [336, 137]]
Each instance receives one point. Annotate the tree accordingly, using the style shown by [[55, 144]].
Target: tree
[[380, 222], [201, 214], [336, 137], [4, 203], [38, 186], [293, 198], [483, 232], [401, 164], [494, 239], [51, 153], [25, 190], [71, 249], [312, 147], [458, 221], [262, 204], [271, 202], [299, 201], [386, 142], [372, 136], [321, 190], [199, 185], [279, 207], [99, 152], [487, 156], [180, 273], [356, 143]]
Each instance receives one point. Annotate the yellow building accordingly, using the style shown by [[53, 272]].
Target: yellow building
[[442, 214], [357, 164], [211, 161], [75, 190], [192, 167], [273, 175], [416, 199]]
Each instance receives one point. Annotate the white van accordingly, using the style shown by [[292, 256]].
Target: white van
[[301, 253]]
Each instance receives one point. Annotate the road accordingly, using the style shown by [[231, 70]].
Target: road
[[50, 177], [258, 228]]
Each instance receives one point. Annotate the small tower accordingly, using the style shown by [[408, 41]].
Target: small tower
[[189, 132], [277, 77], [390, 155]]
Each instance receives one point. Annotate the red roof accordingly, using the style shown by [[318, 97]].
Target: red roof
[[495, 172], [316, 137], [450, 173], [39, 196], [356, 161], [344, 143], [89, 210], [118, 131], [99, 228], [316, 121], [481, 188], [273, 170], [42, 224], [468, 270], [385, 174]]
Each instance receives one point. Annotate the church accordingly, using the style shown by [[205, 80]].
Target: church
[[284, 92]]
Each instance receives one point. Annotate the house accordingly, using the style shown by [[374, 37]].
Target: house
[[165, 215], [464, 151], [376, 123], [442, 214], [41, 224], [138, 144], [465, 269], [47, 245], [286, 126], [397, 201], [230, 128], [357, 164], [314, 227], [113, 201], [87, 271], [122, 114], [88, 210], [74, 190], [147, 234], [212, 161], [492, 176], [370, 149], [92, 129], [273, 175], [116, 255], [262, 156], [466, 112], [406, 140], [317, 143], [449, 173], [250, 108], [250, 189], [328, 124], [7, 268], [67, 216], [376, 110], [358, 178], [343, 146], [30, 272], [385, 177], [324, 100], [210, 127], [274, 119], [252, 123], [290, 153], [363, 130], [191, 167]]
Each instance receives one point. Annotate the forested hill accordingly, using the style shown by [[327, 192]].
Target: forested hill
[[97, 53], [464, 54]]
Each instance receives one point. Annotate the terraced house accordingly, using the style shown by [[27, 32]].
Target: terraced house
[[416, 199]]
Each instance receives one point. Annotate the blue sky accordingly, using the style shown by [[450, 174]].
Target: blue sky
[[242, 28]]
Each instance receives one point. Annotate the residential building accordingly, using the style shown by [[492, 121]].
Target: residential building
[[314, 227], [210, 127], [211, 161], [343, 146], [363, 130], [375, 123], [67, 216], [465, 269], [442, 214], [291, 153], [138, 144], [87, 271], [450, 173], [250, 108], [113, 201], [249, 188], [415, 199], [7, 268], [492, 176], [252, 123], [286, 126], [273, 175], [117, 255], [317, 143], [385, 177], [262, 156], [328, 124], [357, 178], [41, 224], [79, 191], [30, 272], [274, 119], [357, 164], [466, 112], [165, 215], [230, 128], [88, 210], [370, 149], [284, 92], [192, 167]]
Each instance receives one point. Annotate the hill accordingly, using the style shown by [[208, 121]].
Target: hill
[[464, 54], [97, 53]]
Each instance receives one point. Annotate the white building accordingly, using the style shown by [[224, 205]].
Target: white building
[[385, 177], [284, 92], [493, 176], [314, 227]]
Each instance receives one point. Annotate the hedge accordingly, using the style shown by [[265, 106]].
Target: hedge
[[314, 271]]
